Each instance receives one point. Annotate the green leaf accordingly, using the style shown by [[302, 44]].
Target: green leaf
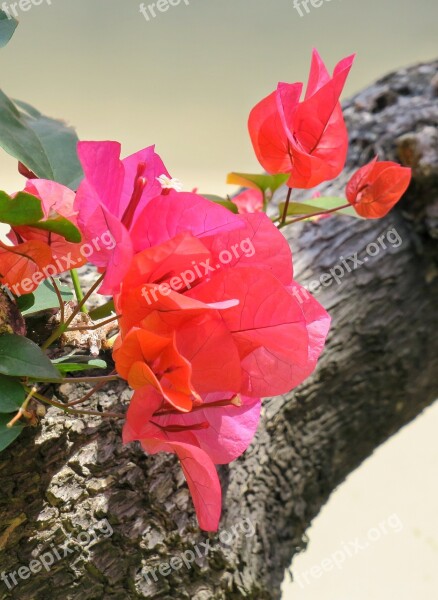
[[43, 298], [20, 357], [101, 312], [261, 182], [8, 434], [315, 206], [45, 146], [7, 27], [25, 209], [12, 394], [61, 226], [222, 201], [74, 367], [20, 210]]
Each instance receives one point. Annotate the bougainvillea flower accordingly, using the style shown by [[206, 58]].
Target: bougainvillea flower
[[375, 188], [111, 196], [235, 303], [217, 432], [248, 201], [307, 139]]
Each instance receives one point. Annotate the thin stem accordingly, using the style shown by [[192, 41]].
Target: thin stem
[[70, 411], [23, 408], [64, 326], [97, 326], [78, 288], [60, 299], [286, 206], [319, 214], [87, 396]]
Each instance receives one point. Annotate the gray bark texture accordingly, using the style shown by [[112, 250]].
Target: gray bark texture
[[377, 374]]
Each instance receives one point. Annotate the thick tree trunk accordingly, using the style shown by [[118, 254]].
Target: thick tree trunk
[[377, 374]]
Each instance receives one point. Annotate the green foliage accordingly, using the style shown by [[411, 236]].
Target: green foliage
[[20, 357], [43, 298], [64, 367], [102, 312], [315, 206], [222, 201], [21, 210], [25, 209], [7, 27], [46, 146], [8, 434], [12, 394], [262, 182]]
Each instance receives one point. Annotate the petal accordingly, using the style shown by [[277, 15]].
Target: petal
[[231, 430], [268, 135], [268, 327], [20, 265], [104, 176], [201, 477], [180, 212]]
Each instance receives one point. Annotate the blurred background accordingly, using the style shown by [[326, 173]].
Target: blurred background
[[186, 80]]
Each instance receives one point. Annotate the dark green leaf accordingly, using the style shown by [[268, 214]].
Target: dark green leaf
[[21, 210], [101, 312], [8, 434], [7, 27], [45, 146], [12, 394], [44, 298], [20, 357]]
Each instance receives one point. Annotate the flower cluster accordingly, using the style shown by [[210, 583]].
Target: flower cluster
[[207, 349], [203, 354]]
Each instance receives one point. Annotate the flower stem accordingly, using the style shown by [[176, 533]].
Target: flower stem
[[319, 214], [23, 408], [60, 298], [78, 289], [71, 411], [286, 206]]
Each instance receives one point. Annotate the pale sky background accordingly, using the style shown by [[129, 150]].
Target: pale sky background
[[186, 81]]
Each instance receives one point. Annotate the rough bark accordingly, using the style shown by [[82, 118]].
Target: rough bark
[[377, 374]]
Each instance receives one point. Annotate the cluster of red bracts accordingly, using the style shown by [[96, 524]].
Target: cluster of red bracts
[[308, 140], [201, 358], [210, 317]]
